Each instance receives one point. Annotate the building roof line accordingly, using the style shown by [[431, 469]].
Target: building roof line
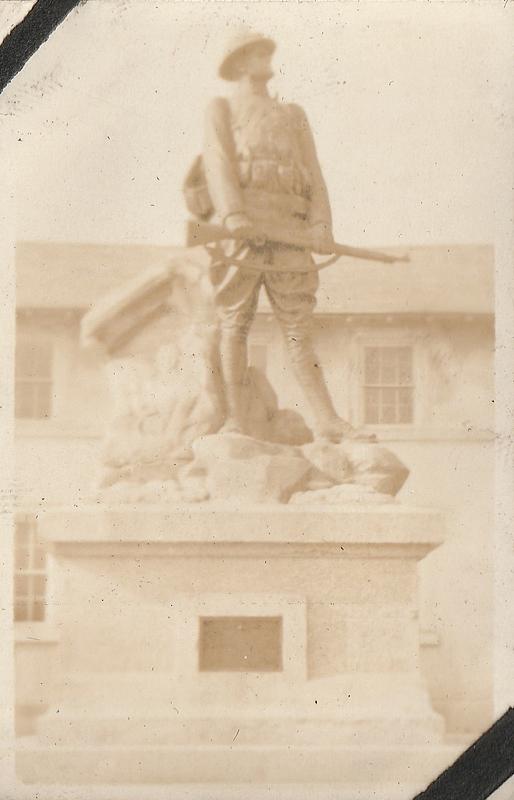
[[438, 279]]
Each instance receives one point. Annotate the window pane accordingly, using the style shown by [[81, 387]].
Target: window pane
[[43, 399], [33, 379], [371, 415], [33, 359], [388, 415], [404, 414], [20, 611], [38, 611], [44, 360], [22, 542], [25, 362], [23, 529], [405, 396], [389, 366], [39, 558], [33, 399], [387, 405], [405, 407], [21, 585], [23, 359], [38, 585], [21, 560], [372, 365], [388, 396], [404, 366], [24, 399]]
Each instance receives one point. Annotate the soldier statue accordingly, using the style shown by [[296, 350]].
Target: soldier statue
[[261, 167]]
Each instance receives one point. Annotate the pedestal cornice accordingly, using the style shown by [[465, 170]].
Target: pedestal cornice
[[380, 531]]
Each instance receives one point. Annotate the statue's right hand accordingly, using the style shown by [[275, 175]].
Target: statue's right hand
[[243, 228], [239, 225]]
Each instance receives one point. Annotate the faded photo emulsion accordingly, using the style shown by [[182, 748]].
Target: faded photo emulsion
[[254, 400]]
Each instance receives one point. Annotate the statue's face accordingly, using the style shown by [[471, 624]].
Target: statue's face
[[255, 61]]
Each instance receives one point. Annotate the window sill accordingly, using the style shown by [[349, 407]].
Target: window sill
[[408, 433], [35, 632]]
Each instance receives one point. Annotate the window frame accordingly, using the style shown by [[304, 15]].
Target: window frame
[[384, 338], [32, 571], [35, 632], [366, 385], [36, 337]]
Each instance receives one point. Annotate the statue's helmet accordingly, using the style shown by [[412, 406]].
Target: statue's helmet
[[237, 44]]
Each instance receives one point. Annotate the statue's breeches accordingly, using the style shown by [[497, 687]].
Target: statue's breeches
[[292, 296]]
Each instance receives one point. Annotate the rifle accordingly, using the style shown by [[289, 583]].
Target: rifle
[[200, 233]]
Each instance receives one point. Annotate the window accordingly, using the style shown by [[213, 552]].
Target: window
[[33, 392], [388, 385], [240, 644], [30, 572]]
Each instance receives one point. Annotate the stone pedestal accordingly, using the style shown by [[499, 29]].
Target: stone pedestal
[[203, 644]]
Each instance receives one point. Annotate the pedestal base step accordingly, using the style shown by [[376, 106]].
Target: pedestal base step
[[57, 730], [205, 791], [365, 767]]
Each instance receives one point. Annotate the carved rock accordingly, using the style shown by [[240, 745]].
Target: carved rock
[[288, 427], [239, 468], [331, 460], [356, 462], [192, 482], [376, 467], [158, 417]]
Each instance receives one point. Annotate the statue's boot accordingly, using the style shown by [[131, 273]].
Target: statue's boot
[[336, 429], [328, 424]]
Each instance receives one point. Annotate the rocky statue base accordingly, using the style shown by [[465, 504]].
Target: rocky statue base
[[238, 469], [199, 644]]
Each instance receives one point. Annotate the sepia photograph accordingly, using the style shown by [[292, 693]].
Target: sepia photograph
[[258, 427]]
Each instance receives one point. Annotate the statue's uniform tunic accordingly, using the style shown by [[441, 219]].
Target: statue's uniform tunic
[[260, 160]]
